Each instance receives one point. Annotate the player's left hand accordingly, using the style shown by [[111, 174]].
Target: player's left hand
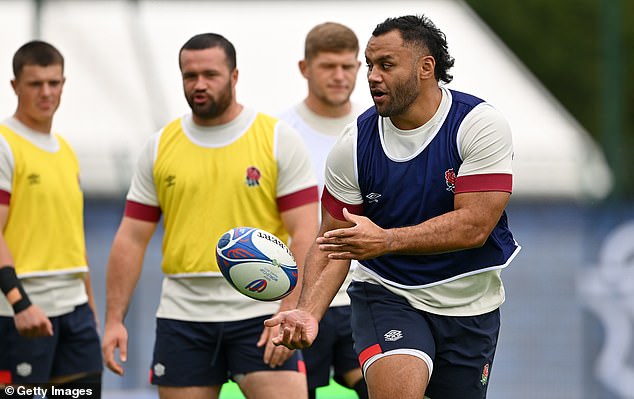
[[364, 240], [274, 355]]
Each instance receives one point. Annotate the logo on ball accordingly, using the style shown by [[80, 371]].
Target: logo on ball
[[256, 286]]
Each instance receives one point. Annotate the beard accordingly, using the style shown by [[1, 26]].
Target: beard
[[214, 106], [402, 96]]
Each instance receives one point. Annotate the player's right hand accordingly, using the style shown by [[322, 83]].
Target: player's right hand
[[298, 328], [115, 336], [33, 323]]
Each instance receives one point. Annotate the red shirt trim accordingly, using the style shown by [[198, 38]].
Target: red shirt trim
[[487, 182], [298, 198], [140, 211], [5, 197], [335, 207]]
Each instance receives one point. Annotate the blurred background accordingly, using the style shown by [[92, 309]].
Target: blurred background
[[557, 70]]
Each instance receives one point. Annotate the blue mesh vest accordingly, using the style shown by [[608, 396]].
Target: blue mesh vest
[[406, 193]]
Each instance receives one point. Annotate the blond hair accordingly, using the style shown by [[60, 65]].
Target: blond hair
[[330, 37]]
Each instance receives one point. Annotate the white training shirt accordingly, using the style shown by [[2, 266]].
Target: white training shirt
[[320, 133], [212, 299], [485, 146]]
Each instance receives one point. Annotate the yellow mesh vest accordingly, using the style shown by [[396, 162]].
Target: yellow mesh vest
[[45, 227], [203, 192]]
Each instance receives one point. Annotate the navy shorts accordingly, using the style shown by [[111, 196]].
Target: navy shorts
[[74, 348], [209, 353], [332, 347], [461, 349]]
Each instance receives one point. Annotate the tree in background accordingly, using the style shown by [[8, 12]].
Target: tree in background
[[578, 51]]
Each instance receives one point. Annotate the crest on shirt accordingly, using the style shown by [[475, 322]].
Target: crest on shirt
[[253, 176], [450, 179]]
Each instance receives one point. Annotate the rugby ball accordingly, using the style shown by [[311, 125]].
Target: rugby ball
[[256, 263]]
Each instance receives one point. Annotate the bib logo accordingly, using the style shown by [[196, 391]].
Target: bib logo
[[253, 176], [33, 178]]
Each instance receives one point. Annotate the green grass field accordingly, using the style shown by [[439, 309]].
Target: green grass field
[[332, 391]]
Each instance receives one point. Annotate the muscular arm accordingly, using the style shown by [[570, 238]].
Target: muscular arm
[[302, 224], [474, 216], [124, 268], [5, 254], [298, 328], [467, 226], [322, 276]]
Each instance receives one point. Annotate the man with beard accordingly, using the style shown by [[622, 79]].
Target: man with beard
[[198, 173], [416, 191], [330, 67]]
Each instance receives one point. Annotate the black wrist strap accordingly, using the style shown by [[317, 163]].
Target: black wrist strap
[[23, 303], [8, 281]]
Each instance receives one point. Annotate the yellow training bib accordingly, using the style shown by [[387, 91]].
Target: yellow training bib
[[45, 226], [205, 191]]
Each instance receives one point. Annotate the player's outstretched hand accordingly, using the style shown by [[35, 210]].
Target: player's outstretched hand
[[364, 240], [298, 328], [274, 355], [115, 336], [33, 323]]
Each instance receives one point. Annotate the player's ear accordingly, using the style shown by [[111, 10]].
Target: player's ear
[[303, 68], [426, 67]]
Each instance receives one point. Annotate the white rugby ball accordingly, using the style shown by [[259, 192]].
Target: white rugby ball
[[256, 263]]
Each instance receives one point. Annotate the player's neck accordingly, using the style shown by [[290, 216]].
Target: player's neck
[[328, 110], [40, 126]]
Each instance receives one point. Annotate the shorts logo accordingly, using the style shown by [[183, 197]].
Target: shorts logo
[[393, 335], [253, 176], [24, 369], [450, 180], [485, 374], [159, 370]]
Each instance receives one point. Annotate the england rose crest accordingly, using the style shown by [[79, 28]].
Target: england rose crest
[[253, 176], [450, 179]]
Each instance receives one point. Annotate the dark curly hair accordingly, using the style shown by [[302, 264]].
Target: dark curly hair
[[420, 31]]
